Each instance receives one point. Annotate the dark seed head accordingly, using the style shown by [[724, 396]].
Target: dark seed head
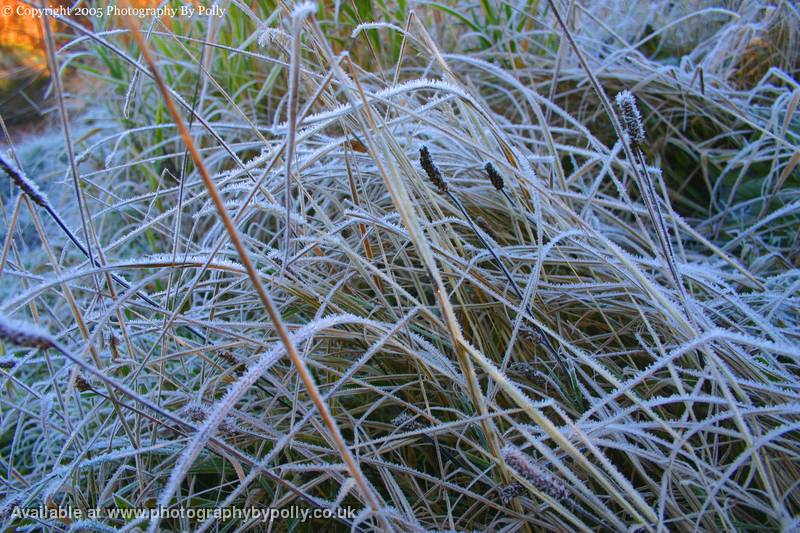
[[494, 176], [529, 372], [24, 335], [230, 358], [227, 355], [631, 118], [510, 491], [82, 384], [530, 334], [406, 422], [198, 413], [538, 476], [195, 413], [427, 164], [8, 363], [21, 180]]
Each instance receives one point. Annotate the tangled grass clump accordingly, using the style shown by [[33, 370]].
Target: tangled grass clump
[[411, 260]]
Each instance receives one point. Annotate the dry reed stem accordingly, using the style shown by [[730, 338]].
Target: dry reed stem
[[255, 278]]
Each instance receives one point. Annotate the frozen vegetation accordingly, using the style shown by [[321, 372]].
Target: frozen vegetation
[[496, 266]]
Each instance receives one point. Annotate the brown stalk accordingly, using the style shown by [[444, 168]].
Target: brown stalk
[[254, 275]]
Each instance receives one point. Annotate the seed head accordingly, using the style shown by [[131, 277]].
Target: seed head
[[540, 478], [510, 491], [23, 182], [494, 176], [528, 371], [198, 413], [195, 412], [113, 345], [231, 359], [7, 363], [431, 169], [227, 355], [406, 422], [24, 335], [273, 36], [631, 118], [530, 334], [82, 384]]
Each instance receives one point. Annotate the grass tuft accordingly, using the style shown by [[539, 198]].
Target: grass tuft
[[409, 260]]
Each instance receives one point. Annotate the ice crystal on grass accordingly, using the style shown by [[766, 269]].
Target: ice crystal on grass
[[315, 467], [91, 525], [374, 26], [303, 10], [272, 36]]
